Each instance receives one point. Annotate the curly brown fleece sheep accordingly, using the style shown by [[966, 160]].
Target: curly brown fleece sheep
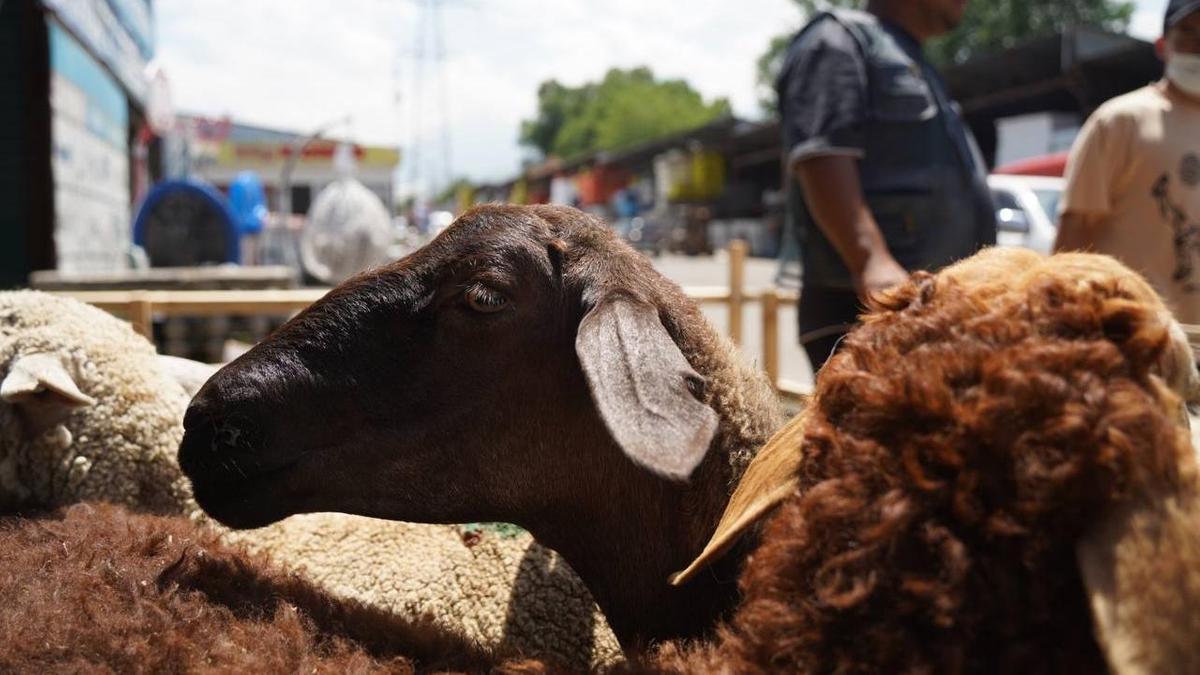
[[967, 440], [96, 588]]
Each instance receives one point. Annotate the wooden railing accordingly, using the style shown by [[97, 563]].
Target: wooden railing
[[141, 307]]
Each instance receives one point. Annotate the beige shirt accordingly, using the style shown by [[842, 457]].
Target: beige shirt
[[1137, 163]]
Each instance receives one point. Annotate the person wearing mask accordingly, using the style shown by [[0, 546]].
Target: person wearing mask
[[884, 177], [1133, 177]]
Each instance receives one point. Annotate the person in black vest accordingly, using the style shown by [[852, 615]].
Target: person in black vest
[[884, 176]]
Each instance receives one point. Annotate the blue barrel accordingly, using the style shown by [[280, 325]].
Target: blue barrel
[[186, 223]]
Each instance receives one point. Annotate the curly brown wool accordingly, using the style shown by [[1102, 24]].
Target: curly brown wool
[[960, 443], [95, 588]]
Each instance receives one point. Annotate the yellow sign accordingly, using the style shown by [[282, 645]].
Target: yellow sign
[[251, 155]]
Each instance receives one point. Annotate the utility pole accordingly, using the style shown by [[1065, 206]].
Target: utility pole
[[439, 57], [428, 155], [296, 149]]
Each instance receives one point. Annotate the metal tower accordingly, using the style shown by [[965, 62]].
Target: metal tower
[[428, 154]]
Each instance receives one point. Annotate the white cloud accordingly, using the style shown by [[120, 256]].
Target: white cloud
[[299, 63], [296, 65]]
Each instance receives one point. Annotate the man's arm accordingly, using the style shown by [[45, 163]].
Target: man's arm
[[1097, 169], [833, 192], [1077, 231]]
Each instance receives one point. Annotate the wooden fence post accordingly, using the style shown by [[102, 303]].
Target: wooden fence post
[[737, 280], [141, 315], [770, 335]]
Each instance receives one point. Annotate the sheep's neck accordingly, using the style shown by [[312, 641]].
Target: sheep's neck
[[626, 543]]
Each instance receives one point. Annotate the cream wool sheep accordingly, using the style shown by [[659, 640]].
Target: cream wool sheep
[[83, 403], [88, 412], [530, 600]]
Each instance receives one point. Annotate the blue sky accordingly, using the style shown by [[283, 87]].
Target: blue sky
[[299, 64]]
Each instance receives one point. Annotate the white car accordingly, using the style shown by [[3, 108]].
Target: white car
[[1026, 210]]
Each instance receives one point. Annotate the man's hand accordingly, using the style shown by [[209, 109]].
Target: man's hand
[[833, 190], [880, 272]]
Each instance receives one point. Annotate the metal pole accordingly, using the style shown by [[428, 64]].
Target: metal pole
[[439, 57], [297, 147]]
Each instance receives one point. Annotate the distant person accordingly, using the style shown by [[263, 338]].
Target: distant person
[[1133, 179], [626, 203], [887, 178]]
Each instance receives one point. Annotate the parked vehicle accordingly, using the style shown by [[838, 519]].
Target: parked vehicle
[[644, 233], [1026, 210]]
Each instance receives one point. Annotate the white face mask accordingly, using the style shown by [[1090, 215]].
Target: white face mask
[[1183, 70]]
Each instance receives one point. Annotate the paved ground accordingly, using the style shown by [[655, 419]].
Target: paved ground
[[714, 271]]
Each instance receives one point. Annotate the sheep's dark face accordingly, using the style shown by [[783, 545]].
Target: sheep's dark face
[[427, 389]]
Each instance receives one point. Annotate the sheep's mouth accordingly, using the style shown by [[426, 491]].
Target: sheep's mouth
[[240, 489], [243, 501]]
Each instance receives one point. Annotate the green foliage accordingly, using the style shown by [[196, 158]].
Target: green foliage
[[557, 104], [810, 7], [502, 530], [992, 25], [625, 108], [989, 25], [767, 67]]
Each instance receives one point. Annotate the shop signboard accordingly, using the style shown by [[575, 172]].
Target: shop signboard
[[123, 40], [90, 159]]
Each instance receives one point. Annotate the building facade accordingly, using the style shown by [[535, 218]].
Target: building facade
[[72, 76], [217, 150]]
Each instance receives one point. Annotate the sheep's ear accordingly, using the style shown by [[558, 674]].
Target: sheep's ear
[[642, 385], [769, 479], [1141, 569], [42, 390], [1178, 363]]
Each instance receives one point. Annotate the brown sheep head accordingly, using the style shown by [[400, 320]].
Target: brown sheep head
[[474, 379]]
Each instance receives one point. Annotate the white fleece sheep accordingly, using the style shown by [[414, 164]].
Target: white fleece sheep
[[90, 412], [529, 599], [85, 413]]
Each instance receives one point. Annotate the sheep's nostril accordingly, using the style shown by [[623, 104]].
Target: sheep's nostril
[[196, 456], [220, 449], [228, 437]]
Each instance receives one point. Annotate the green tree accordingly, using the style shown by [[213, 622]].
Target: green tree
[[998, 24], [988, 25], [624, 108]]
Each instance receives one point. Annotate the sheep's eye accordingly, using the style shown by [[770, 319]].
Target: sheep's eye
[[483, 299]]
